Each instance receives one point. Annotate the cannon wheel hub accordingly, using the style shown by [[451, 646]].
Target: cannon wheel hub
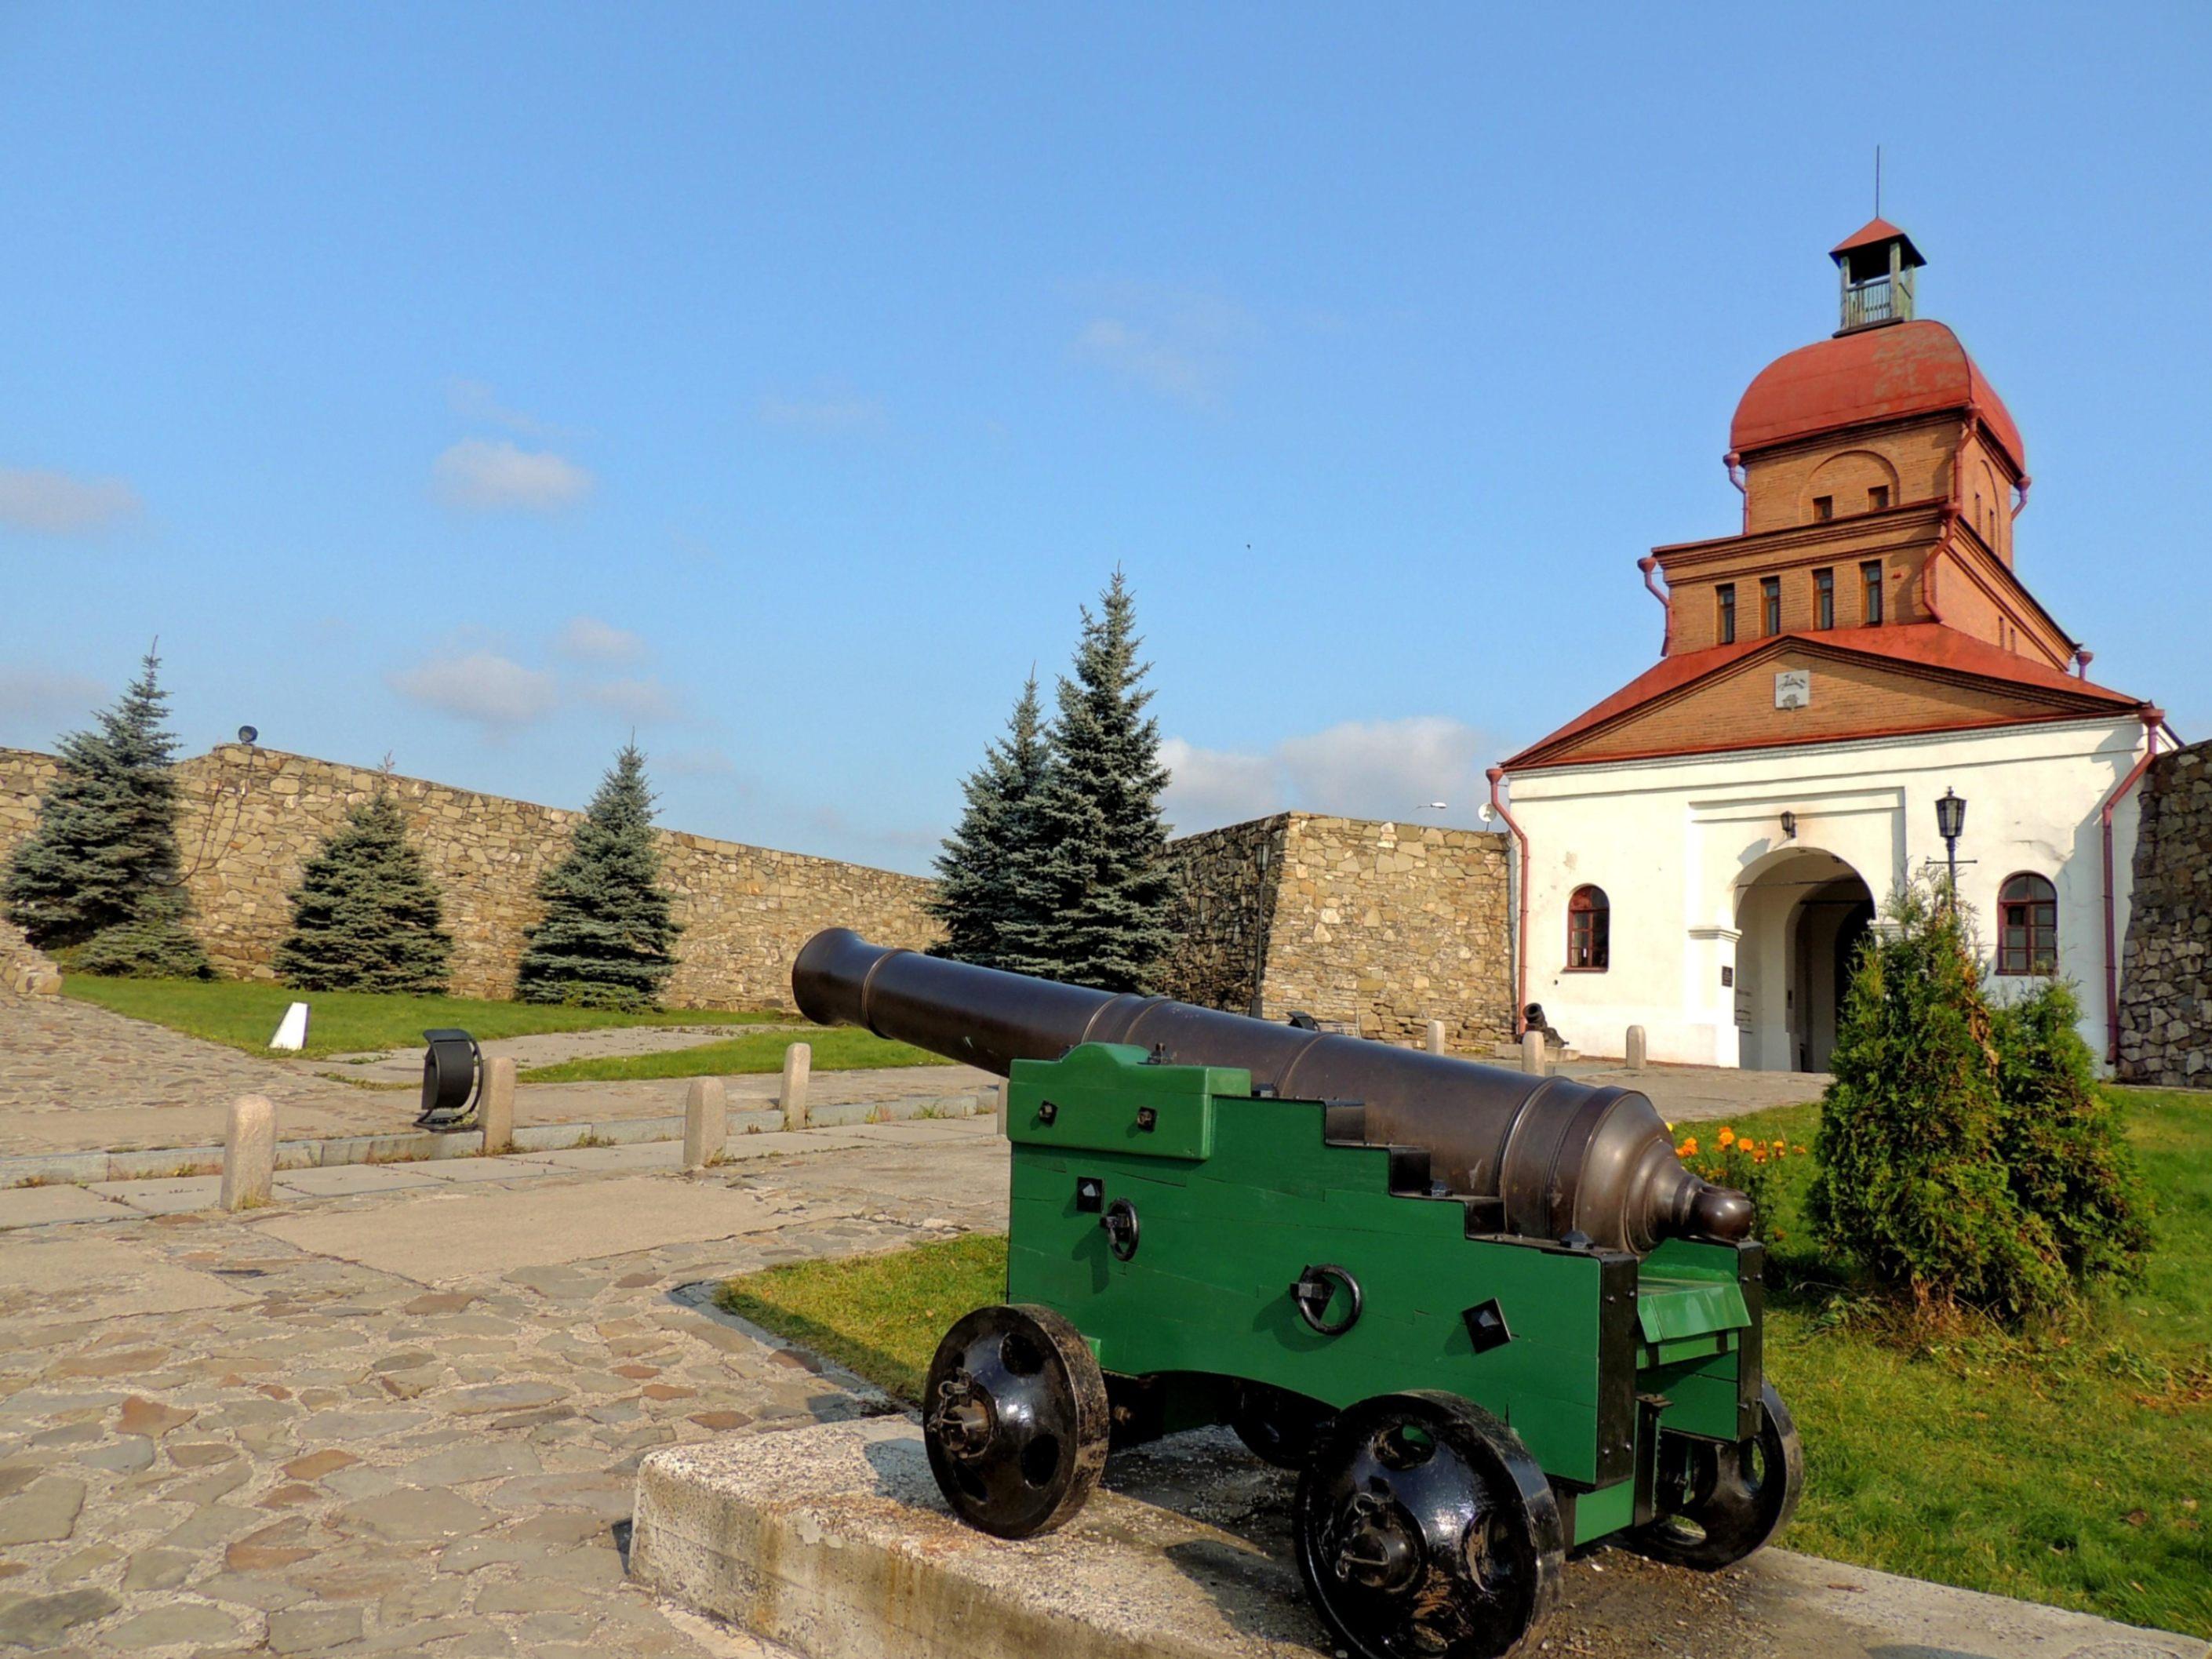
[[1424, 1527], [1720, 1501], [1015, 1420]]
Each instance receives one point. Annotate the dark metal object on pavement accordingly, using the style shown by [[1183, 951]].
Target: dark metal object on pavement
[[453, 1068], [1549, 1155], [1489, 1316]]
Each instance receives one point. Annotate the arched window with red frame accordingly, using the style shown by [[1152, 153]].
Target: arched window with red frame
[[2027, 925], [1590, 931]]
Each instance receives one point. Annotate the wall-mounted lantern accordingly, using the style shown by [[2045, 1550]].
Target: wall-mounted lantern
[[1789, 826], [1951, 823]]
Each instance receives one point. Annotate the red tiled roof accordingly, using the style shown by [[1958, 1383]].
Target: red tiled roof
[[1872, 233], [1926, 645], [1875, 374]]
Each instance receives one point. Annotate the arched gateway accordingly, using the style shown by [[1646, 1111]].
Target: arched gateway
[[1861, 645], [1801, 915]]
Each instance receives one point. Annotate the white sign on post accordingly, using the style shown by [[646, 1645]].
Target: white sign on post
[[292, 1029]]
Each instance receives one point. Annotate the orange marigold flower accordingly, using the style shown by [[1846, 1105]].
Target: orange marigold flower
[[1759, 1154], [1780, 1146], [1801, 1151], [1727, 1136], [1688, 1148]]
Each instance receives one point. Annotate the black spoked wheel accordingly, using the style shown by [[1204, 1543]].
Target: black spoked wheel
[[1719, 1502], [1426, 1531], [1015, 1418], [1277, 1426]]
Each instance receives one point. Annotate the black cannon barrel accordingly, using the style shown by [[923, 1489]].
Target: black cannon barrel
[[1564, 1156]]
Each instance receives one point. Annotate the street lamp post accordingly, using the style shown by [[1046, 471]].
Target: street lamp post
[[1950, 824]]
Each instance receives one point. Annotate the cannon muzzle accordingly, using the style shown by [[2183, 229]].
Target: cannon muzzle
[[1562, 1156]]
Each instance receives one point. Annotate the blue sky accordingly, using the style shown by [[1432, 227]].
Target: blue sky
[[475, 382]]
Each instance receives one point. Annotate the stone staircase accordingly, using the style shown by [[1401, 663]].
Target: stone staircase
[[25, 970]]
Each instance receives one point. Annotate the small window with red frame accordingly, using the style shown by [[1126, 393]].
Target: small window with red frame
[[1590, 931], [2027, 925]]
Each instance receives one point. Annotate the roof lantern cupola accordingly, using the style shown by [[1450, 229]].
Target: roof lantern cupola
[[1876, 263]]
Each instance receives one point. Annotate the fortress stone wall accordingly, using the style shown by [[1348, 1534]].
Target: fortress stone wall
[[250, 819], [2166, 985], [1377, 927]]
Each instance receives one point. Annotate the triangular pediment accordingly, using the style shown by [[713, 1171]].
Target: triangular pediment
[[1800, 688]]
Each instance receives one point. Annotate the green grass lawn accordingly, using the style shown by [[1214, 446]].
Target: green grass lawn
[[2073, 1470], [840, 1049], [243, 1013]]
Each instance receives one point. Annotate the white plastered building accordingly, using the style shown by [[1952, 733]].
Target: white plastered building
[[1701, 852]]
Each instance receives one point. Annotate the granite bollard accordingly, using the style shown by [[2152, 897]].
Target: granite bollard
[[1635, 1048], [496, 1111], [249, 1153], [797, 1065], [1532, 1053], [1436, 1043], [706, 1122]]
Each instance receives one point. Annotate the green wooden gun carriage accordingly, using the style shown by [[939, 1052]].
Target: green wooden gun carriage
[[1488, 1317]]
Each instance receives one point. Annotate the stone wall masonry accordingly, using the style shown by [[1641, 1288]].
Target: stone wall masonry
[[2166, 968], [1377, 927], [250, 819], [25, 777], [1390, 926], [1223, 902]]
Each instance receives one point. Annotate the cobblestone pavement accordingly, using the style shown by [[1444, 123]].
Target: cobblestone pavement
[[75, 1078], [216, 1441]]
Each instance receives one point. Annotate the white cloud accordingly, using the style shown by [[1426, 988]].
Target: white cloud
[[1362, 768], [57, 504], [475, 400], [481, 474], [586, 639], [1385, 768], [1175, 344], [829, 412], [1207, 787], [41, 694], [482, 686], [641, 700]]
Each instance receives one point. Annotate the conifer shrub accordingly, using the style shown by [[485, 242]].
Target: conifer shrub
[[988, 875], [607, 937], [1096, 914], [1933, 1176], [2060, 1139], [366, 916], [99, 883]]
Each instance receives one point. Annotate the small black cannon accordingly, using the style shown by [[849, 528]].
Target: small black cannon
[[1489, 1317]]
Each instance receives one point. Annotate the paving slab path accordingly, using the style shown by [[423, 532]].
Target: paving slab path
[[404, 1065], [408, 1419], [76, 1077], [374, 1426]]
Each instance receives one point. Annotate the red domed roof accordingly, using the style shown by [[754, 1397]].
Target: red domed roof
[[1875, 374]]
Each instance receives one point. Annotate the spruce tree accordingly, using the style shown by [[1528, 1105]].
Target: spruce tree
[[607, 936], [99, 882], [1097, 911], [988, 874], [365, 917], [1912, 1180]]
